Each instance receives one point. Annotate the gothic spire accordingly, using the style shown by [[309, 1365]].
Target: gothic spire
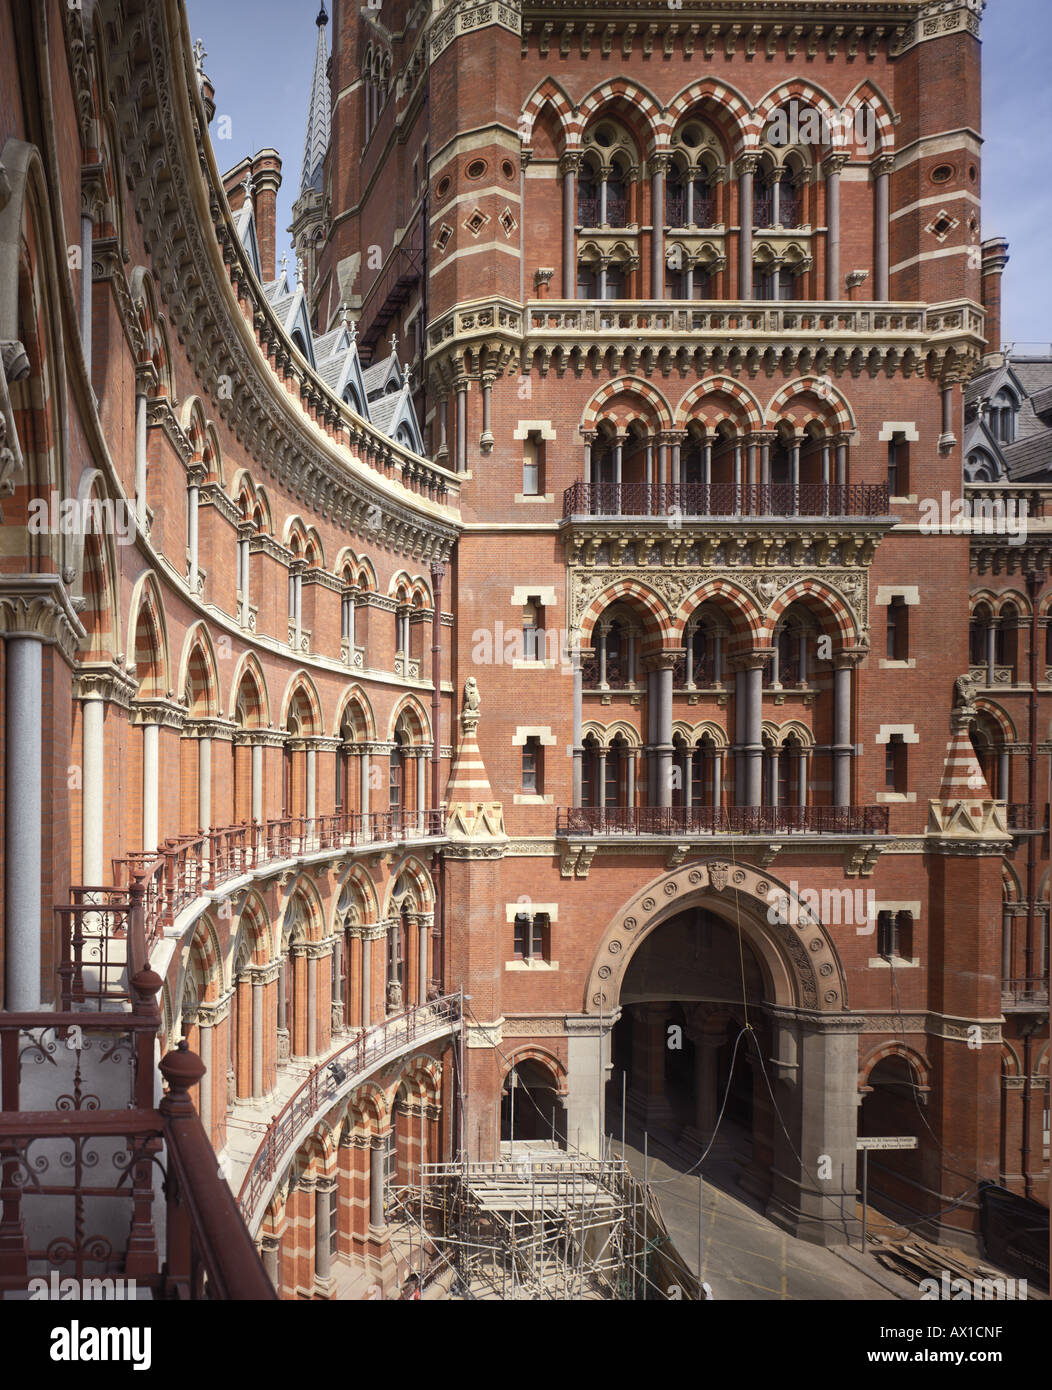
[[317, 141]]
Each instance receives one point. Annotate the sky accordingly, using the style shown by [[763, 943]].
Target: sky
[[261, 56]]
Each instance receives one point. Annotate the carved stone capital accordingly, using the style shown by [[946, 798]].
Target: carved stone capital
[[38, 606]]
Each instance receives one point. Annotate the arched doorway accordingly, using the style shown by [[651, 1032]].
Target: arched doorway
[[530, 1105], [703, 960], [679, 1052]]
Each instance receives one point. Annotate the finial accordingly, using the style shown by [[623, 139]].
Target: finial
[[354, 332], [394, 346], [200, 54], [284, 265], [248, 186], [409, 380]]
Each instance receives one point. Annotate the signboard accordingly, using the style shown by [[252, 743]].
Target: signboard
[[888, 1142]]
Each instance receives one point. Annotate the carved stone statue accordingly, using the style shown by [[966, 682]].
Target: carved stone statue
[[472, 699], [964, 691]]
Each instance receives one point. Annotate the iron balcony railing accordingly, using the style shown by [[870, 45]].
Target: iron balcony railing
[[1023, 816], [352, 1061], [589, 212], [1023, 992], [178, 873], [726, 499], [722, 820], [80, 1135]]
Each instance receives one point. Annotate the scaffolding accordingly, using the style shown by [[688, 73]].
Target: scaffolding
[[544, 1224]]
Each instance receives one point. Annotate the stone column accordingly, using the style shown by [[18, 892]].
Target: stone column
[[424, 956], [663, 729], [354, 977], [578, 703], [376, 1181], [323, 1199], [882, 167], [367, 979], [257, 1034], [312, 766], [841, 466], [947, 439], [364, 778], [815, 1079], [194, 478], [257, 781], [204, 783], [659, 164], [748, 701], [312, 1003], [568, 167], [151, 734], [486, 440], [746, 166], [93, 712], [832, 165], [205, 1024], [421, 790], [140, 448], [461, 387], [443, 429], [271, 1246], [842, 747]]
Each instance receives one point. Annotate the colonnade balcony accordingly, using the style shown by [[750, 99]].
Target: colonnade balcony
[[902, 325], [215, 861], [690, 821], [726, 500], [254, 1166]]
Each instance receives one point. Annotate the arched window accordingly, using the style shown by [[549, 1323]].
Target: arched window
[[978, 640], [1002, 416]]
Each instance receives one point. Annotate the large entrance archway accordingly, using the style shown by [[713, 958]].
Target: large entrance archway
[[680, 1055], [694, 958]]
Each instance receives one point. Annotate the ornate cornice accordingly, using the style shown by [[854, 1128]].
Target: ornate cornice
[[189, 227], [109, 682], [164, 712], [39, 606]]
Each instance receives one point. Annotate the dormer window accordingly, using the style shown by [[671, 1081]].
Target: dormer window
[[1001, 414]]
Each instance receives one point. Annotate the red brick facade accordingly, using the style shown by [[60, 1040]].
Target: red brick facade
[[173, 699]]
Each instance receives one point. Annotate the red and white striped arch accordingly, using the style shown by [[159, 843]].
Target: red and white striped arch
[[828, 405], [806, 93], [638, 596], [821, 596], [549, 93], [731, 106], [868, 94], [720, 398], [735, 603], [621, 93], [613, 402]]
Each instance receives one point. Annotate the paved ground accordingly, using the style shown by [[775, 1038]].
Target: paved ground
[[744, 1256]]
